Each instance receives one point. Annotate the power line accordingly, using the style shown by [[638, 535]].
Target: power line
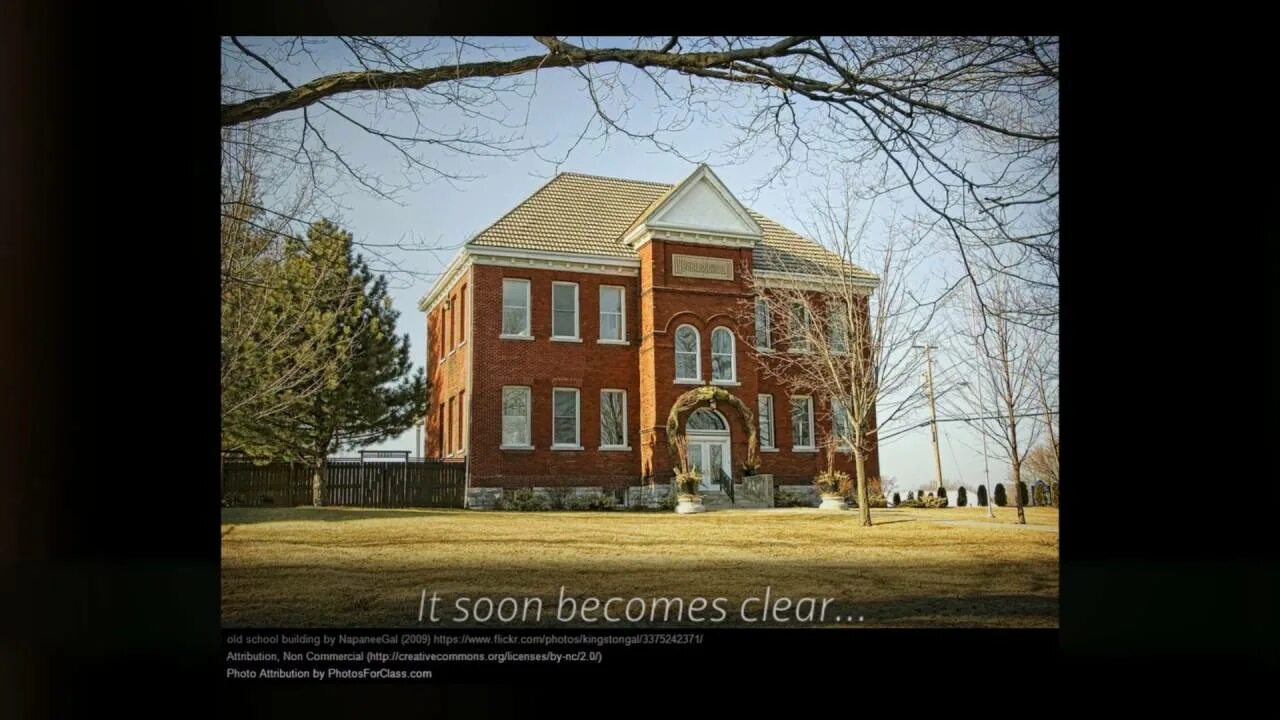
[[926, 423]]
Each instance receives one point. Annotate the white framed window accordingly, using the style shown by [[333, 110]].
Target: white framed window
[[764, 339], [613, 314], [515, 308], [564, 311], [838, 326], [840, 424], [802, 422], [688, 354], [798, 340], [724, 366], [565, 426], [516, 414], [764, 407], [613, 420]]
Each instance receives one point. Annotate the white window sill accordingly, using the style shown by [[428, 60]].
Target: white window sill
[[515, 337], [798, 352], [567, 447], [726, 383], [602, 341], [768, 449], [615, 448], [688, 382], [764, 349], [555, 338], [804, 449], [515, 447]]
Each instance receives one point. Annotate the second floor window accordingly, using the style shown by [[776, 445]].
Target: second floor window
[[799, 330], [688, 361], [611, 313], [564, 310], [763, 340], [838, 326], [722, 360], [515, 307]]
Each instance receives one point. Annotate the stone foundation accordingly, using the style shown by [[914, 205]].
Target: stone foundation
[[807, 494], [650, 496], [485, 498]]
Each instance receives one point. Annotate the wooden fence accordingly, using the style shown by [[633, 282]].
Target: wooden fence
[[422, 483]]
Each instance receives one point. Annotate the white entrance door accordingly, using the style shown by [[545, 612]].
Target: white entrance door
[[710, 455]]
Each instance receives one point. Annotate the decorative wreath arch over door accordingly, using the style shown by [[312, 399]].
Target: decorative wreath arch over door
[[710, 394]]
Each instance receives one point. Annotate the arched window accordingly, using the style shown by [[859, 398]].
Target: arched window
[[723, 363], [704, 419], [688, 354]]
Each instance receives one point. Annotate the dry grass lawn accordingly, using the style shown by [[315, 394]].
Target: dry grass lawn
[[337, 567]]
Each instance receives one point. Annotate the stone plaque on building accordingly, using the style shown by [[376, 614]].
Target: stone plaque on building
[[701, 267]]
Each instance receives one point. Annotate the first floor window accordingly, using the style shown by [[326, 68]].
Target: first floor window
[[515, 307], [565, 402], [613, 418], [840, 423], [766, 420], [802, 421], [515, 416]]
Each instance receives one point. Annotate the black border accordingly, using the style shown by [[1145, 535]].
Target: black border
[[109, 323]]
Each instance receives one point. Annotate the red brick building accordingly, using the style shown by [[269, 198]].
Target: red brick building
[[560, 337]]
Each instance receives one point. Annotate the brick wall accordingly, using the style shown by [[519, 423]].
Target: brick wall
[[448, 338], [542, 364], [657, 302]]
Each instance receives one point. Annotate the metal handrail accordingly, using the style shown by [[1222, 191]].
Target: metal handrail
[[726, 484]]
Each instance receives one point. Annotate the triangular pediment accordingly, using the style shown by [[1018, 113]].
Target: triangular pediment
[[702, 204]]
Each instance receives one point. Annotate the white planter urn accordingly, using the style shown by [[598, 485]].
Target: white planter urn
[[833, 502], [688, 504]]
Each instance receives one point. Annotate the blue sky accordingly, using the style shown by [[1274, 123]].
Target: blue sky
[[445, 214]]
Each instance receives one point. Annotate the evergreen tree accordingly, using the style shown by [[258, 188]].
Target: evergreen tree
[[962, 497], [1000, 498], [982, 496], [374, 395], [897, 500], [1023, 497]]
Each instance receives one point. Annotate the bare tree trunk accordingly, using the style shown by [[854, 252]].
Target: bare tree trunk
[[1017, 492], [864, 502], [318, 484]]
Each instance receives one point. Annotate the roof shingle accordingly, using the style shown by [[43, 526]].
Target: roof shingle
[[588, 214]]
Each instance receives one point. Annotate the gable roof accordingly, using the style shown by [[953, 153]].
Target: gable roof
[[589, 214]]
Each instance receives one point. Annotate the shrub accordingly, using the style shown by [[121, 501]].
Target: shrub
[[897, 500], [832, 482], [962, 497], [910, 497], [592, 502], [233, 498], [877, 501], [1042, 495], [910, 502], [942, 495], [982, 496], [559, 498], [524, 500], [1000, 499], [1023, 497]]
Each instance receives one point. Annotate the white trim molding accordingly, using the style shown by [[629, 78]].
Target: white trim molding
[[803, 281]]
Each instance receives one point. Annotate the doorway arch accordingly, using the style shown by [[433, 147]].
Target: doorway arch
[[711, 396]]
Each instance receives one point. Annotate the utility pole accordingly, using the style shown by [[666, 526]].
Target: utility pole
[[933, 417], [986, 471], [417, 443]]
